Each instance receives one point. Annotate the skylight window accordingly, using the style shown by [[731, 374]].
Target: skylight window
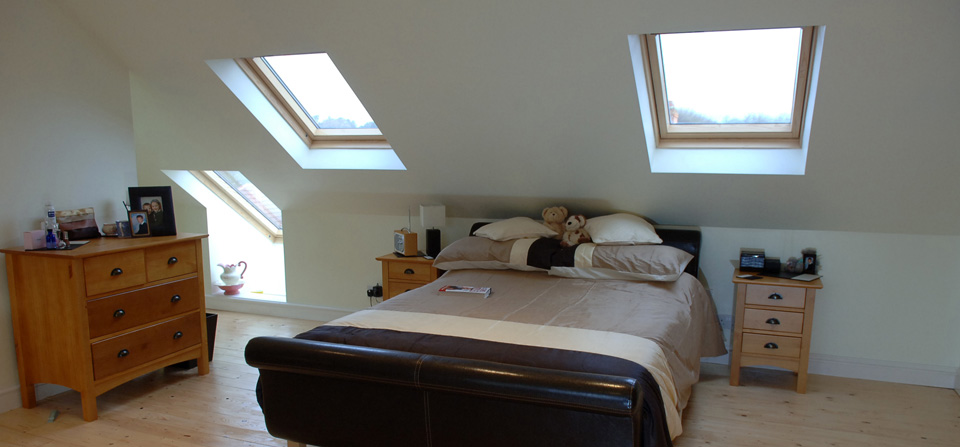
[[723, 84], [315, 99], [246, 199], [728, 102]]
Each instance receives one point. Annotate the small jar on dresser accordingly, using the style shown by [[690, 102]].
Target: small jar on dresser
[[97, 316], [774, 320]]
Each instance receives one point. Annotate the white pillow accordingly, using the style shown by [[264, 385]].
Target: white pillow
[[514, 228], [621, 229]]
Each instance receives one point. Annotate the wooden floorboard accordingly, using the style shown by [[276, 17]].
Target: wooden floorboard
[[176, 408]]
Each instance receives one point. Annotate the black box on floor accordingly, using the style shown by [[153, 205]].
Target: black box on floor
[[211, 338]]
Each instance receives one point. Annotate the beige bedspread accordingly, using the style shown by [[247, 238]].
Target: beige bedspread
[[665, 326]]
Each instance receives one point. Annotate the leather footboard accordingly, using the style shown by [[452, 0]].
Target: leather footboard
[[332, 394]]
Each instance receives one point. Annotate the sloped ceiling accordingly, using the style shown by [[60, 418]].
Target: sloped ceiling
[[500, 107]]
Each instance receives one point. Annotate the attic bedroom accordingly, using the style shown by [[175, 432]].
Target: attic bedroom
[[498, 110]]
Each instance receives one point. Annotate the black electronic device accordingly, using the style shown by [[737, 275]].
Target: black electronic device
[[751, 259]]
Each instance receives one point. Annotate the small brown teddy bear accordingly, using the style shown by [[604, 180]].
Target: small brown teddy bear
[[574, 232], [553, 218]]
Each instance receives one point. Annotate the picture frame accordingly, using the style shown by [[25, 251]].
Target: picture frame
[[158, 201], [139, 225]]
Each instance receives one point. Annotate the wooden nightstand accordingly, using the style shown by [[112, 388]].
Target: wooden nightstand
[[401, 274], [774, 317]]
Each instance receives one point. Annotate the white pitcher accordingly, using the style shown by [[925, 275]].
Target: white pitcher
[[230, 276]]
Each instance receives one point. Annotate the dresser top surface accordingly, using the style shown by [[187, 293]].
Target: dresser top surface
[[106, 245], [774, 281]]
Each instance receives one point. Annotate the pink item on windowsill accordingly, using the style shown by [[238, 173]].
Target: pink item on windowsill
[[232, 289]]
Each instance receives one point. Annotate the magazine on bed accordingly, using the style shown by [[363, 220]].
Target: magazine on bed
[[465, 291]]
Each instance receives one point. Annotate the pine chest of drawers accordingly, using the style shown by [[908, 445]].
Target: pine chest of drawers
[[774, 318], [97, 316]]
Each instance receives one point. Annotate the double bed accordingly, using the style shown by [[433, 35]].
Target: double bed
[[582, 346]]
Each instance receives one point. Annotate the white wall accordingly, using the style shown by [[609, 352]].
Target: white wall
[[539, 115], [67, 137]]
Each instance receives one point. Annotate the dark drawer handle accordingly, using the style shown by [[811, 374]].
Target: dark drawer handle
[[116, 272], [775, 296], [119, 313], [175, 299], [123, 354], [773, 321], [177, 335], [771, 346], [172, 260], [408, 272]]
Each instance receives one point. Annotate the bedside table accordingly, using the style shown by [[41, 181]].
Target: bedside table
[[401, 274], [774, 318]]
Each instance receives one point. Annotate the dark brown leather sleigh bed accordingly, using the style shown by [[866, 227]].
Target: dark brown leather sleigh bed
[[562, 353]]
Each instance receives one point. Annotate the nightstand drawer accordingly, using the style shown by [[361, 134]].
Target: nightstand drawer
[[771, 345], [114, 271], [772, 320], [123, 352], [398, 287], [116, 313], [410, 271], [761, 295]]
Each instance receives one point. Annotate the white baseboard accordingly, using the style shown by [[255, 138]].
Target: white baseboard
[[275, 309], [10, 397], [956, 382], [885, 371]]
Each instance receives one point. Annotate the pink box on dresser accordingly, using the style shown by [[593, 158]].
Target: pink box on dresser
[[34, 239]]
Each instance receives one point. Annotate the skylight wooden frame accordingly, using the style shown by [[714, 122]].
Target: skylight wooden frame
[[727, 135], [248, 212], [289, 108]]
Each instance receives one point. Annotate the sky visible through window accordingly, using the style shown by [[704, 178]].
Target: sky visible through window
[[731, 76], [321, 90]]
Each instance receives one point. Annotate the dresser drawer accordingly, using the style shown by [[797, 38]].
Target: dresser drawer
[[114, 271], [772, 320], [775, 296], [120, 312], [126, 351], [171, 260], [409, 271], [771, 345]]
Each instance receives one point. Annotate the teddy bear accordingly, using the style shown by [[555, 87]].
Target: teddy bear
[[574, 232], [553, 218]]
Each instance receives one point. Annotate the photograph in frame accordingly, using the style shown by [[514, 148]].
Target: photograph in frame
[[139, 226], [157, 204]]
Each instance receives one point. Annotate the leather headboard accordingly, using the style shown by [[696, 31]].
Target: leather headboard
[[683, 237]]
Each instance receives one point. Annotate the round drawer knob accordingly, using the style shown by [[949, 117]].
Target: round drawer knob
[[175, 299], [123, 353], [172, 260], [119, 313], [773, 321], [771, 346], [177, 335], [116, 272]]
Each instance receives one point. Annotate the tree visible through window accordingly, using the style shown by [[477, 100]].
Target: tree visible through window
[[319, 88]]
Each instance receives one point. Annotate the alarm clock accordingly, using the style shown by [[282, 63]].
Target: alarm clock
[[405, 242], [751, 260]]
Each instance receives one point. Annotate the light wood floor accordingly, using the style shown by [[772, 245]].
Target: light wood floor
[[178, 408]]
